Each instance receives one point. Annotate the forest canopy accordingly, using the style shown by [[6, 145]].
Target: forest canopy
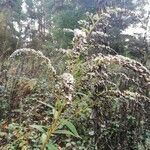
[[74, 74]]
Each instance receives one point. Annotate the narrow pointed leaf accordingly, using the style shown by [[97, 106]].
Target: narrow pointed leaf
[[71, 128], [66, 132], [38, 127], [51, 146]]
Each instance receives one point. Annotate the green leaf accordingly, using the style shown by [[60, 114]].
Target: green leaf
[[66, 132], [80, 93], [3, 134], [38, 127], [51, 146], [71, 128], [12, 127], [48, 105], [43, 138], [55, 112]]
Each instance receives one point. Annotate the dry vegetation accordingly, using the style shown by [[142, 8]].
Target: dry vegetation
[[86, 97]]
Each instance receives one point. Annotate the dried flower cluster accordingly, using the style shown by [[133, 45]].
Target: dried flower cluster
[[27, 52], [124, 62], [117, 72], [65, 86]]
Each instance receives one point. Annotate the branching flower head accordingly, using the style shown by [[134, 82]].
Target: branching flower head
[[79, 33], [65, 86]]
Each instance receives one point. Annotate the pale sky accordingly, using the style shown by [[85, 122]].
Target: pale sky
[[131, 30]]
